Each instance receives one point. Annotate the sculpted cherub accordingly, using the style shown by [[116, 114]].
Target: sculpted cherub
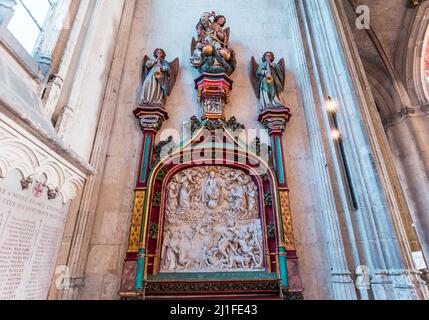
[[158, 78], [268, 80]]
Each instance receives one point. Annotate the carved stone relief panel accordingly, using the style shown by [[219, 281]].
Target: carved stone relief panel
[[212, 222]]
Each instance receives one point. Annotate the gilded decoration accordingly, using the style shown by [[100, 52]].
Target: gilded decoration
[[212, 222], [287, 220], [136, 221]]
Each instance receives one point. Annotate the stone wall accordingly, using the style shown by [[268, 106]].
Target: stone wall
[[392, 53], [29, 141], [90, 78]]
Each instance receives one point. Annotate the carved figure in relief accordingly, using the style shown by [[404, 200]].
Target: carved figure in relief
[[184, 204], [237, 195], [172, 195], [213, 191], [251, 194], [225, 237], [158, 79], [212, 222], [189, 250], [247, 242], [268, 81], [171, 249]]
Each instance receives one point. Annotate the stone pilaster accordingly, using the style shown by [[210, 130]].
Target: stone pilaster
[[78, 252], [407, 136], [376, 220], [65, 68], [56, 22], [342, 285]]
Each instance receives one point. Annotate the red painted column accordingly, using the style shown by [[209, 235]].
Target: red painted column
[[275, 121], [150, 120]]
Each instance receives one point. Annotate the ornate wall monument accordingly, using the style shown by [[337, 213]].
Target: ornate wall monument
[[344, 186], [32, 221], [36, 188], [211, 217]]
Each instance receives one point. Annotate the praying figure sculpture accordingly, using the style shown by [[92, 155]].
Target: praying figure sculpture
[[159, 78], [213, 191], [268, 80], [211, 52]]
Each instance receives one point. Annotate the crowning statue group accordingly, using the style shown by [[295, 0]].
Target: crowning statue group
[[211, 54]]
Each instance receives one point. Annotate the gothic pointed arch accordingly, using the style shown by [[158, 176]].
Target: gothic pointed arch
[[410, 56], [243, 174], [382, 89]]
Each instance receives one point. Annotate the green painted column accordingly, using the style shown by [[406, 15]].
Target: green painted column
[[275, 120], [151, 119]]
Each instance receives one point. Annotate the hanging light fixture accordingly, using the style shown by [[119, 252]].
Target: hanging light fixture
[[331, 106], [336, 134]]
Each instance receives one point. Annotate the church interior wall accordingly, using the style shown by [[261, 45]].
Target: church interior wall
[[85, 101], [153, 27], [21, 92], [66, 134], [402, 113]]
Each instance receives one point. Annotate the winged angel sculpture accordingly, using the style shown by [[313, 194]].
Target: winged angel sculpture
[[211, 52], [268, 81], [158, 78]]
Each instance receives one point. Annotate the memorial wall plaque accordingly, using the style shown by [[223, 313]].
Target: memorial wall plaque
[[31, 230]]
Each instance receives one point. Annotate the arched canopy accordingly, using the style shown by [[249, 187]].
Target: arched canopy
[[413, 48]]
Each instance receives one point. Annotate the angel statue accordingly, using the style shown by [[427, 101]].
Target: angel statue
[[159, 77], [210, 53], [268, 80]]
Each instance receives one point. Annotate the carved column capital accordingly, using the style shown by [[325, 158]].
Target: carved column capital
[[45, 63], [151, 118], [275, 120]]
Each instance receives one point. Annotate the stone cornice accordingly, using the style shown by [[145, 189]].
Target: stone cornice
[[35, 161], [43, 134]]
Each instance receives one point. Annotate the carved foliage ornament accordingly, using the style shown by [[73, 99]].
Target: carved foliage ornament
[[287, 220], [151, 122], [162, 149], [415, 3], [217, 124], [212, 222]]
